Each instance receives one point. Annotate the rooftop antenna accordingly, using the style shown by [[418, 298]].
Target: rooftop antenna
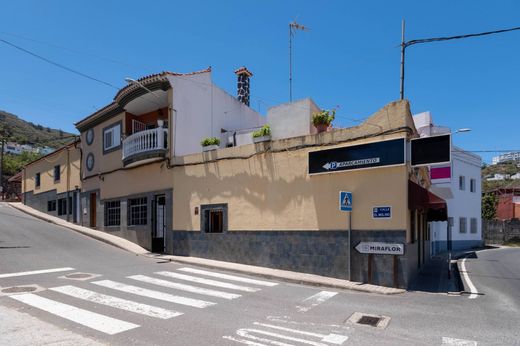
[[293, 27]]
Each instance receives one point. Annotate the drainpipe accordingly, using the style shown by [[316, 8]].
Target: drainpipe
[[69, 207]]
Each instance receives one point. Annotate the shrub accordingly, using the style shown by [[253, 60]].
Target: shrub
[[264, 131], [210, 141], [325, 117]]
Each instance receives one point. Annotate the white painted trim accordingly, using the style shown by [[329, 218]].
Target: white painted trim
[[34, 272], [207, 281], [86, 318]]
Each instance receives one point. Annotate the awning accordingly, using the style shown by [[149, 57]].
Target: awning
[[420, 198]]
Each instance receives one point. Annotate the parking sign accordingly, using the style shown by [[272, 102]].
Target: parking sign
[[345, 201]]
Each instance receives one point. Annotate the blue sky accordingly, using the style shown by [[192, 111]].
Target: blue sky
[[349, 59]]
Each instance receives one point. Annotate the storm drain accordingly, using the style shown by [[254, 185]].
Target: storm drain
[[377, 321], [79, 276], [6, 291]]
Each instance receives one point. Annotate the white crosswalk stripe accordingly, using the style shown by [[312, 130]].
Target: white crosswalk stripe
[[315, 300], [207, 281], [35, 272], [229, 277], [86, 318], [153, 294], [115, 302], [183, 287]]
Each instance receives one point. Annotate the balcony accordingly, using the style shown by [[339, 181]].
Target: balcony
[[145, 146]]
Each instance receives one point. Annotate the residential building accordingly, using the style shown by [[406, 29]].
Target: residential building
[[52, 183], [506, 157], [508, 203], [499, 177], [459, 183]]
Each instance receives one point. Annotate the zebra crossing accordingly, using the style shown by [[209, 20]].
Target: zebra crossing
[[169, 287]]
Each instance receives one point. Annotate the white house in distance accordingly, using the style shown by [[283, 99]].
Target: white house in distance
[[459, 183]]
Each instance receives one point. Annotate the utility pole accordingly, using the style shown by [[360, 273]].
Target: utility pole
[[405, 44], [293, 26]]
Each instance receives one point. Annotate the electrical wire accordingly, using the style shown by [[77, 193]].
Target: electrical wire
[[437, 39], [58, 64]]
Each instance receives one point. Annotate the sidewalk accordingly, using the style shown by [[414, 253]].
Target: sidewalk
[[284, 275], [434, 276]]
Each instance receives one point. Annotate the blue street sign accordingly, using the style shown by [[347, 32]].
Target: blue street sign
[[382, 212], [345, 201]]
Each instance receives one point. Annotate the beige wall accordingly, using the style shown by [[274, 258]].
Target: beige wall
[[45, 167], [273, 191]]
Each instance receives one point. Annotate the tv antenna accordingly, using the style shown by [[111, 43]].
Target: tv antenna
[[293, 27]]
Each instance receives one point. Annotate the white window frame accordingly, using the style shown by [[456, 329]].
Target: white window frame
[[462, 183], [473, 185], [115, 137], [463, 221], [473, 225]]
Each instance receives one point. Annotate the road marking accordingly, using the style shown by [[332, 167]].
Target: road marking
[[229, 277], [115, 302], [208, 281], [458, 342], [183, 287], [472, 288], [315, 300], [250, 339], [153, 294], [86, 318], [34, 272]]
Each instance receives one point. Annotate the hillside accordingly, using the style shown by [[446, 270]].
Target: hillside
[[501, 168], [24, 132]]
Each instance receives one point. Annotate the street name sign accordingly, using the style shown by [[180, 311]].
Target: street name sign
[[370, 155], [382, 212], [345, 201], [380, 248]]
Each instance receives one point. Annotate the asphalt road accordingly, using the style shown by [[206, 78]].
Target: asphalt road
[[125, 304]]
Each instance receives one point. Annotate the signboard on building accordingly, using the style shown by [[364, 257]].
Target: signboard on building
[[440, 174], [430, 150], [380, 248], [369, 155], [345, 201], [382, 212]]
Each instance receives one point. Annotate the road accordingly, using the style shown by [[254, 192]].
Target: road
[[136, 300]]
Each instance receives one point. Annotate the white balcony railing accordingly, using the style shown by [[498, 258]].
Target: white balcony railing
[[145, 141]]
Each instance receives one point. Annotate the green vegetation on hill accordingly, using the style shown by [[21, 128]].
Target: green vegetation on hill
[[510, 168], [23, 132]]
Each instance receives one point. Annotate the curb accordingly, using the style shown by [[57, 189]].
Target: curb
[[269, 273]]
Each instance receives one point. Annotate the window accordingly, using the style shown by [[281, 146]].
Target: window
[[113, 213], [473, 225], [462, 225], [462, 182], [51, 205], [70, 205], [37, 180], [137, 211], [213, 218], [62, 206], [472, 185], [111, 137], [57, 173]]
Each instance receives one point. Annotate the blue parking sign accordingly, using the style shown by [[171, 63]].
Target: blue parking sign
[[345, 201]]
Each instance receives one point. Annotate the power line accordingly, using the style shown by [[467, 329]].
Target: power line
[[437, 39], [58, 64]]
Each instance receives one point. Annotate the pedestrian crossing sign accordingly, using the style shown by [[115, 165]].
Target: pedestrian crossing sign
[[345, 201]]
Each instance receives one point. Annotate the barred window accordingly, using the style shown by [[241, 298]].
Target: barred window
[[214, 218], [473, 225], [113, 213], [51, 205], [137, 211]]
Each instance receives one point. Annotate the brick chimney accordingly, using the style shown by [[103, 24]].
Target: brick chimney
[[243, 75]]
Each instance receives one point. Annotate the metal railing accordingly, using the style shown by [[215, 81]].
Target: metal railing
[[145, 141]]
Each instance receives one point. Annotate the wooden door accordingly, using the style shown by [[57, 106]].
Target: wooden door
[[93, 211]]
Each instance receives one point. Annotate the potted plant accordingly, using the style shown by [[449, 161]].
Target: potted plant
[[210, 143], [262, 135], [322, 120]]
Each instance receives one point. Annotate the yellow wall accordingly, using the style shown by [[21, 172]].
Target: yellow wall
[[273, 191], [45, 167]]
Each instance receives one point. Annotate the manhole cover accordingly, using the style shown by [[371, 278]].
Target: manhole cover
[[377, 321], [19, 289]]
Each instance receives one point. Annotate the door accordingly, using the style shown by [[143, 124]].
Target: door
[[159, 223], [93, 211]]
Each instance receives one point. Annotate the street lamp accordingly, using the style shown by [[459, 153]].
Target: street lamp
[[464, 129]]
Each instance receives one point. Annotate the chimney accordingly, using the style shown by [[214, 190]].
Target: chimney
[[243, 75]]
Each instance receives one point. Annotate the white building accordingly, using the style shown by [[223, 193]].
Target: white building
[[459, 183], [507, 157], [498, 177]]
